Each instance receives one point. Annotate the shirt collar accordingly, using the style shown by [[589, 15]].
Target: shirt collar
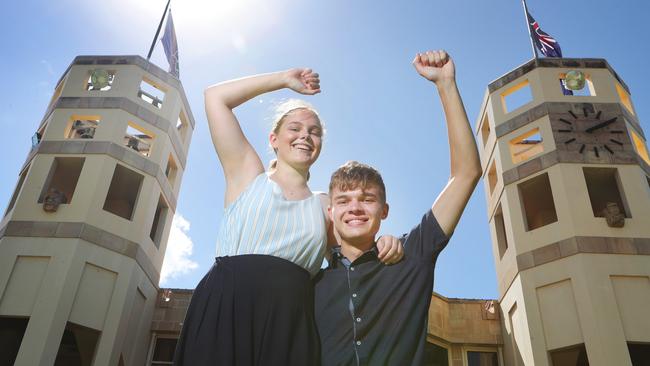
[[338, 257]]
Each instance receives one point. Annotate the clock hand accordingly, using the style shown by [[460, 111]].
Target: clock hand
[[601, 125]]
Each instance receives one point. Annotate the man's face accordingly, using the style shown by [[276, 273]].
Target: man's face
[[357, 214]]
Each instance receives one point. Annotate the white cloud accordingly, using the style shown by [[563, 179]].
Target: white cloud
[[48, 67], [179, 249]]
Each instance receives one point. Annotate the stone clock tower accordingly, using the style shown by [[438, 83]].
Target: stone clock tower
[[568, 190], [84, 235]]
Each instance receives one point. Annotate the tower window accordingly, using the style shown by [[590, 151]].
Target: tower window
[[182, 125], [625, 98], [492, 176], [525, 146], [500, 230], [12, 331], [151, 93], [537, 202], [639, 145], [19, 186], [639, 353], [163, 351], [100, 80], [435, 354], [123, 192], [82, 127], [63, 177], [137, 139], [56, 95], [159, 219], [77, 345], [485, 129], [482, 358], [38, 136], [171, 170], [587, 91], [603, 186], [572, 356], [516, 96]]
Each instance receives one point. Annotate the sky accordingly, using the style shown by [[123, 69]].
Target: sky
[[376, 108]]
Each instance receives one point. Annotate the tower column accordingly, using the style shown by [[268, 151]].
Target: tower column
[[605, 338], [47, 322]]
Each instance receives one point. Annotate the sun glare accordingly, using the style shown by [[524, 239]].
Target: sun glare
[[218, 18], [217, 23]]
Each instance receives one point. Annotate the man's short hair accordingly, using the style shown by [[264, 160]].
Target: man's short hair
[[353, 175]]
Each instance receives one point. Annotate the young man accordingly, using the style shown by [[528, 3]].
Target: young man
[[368, 313]]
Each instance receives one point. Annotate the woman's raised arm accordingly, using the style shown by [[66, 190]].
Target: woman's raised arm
[[240, 162]]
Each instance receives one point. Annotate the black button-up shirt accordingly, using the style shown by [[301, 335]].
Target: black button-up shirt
[[371, 314]]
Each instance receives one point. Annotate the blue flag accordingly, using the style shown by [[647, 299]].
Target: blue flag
[[171, 45]]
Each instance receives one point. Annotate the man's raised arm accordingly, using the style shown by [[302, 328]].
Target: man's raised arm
[[437, 67]]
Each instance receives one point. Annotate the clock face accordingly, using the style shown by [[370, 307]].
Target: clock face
[[591, 132]]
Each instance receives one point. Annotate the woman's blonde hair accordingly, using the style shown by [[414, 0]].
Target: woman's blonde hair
[[288, 106]]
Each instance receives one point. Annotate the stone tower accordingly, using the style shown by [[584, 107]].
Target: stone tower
[[84, 235], [568, 192]]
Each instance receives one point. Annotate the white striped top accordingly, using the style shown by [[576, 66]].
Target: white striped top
[[262, 221]]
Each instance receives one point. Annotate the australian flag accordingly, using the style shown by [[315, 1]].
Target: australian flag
[[170, 45], [545, 43]]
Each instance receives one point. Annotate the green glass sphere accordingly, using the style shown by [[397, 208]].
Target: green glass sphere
[[99, 79], [575, 80]]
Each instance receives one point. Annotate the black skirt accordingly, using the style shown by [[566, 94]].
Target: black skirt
[[251, 310]]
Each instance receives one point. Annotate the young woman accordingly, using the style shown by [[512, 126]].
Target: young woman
[[255, 305]]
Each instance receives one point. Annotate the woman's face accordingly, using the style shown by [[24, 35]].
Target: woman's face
[[298, 140]]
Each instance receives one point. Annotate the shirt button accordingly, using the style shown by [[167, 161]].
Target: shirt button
[[358, 343], [358, 320], [351, 268], [354, 295]]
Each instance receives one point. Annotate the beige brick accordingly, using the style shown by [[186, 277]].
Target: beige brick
[[568, 247], [621, 245], [525, 261], [111, 103], [150, 167], [97, 147], [510, 176], [83, 102], [134, 159], [91, 233], [549, 159], [116, 151], [49, 147], [73, 147], [68, 230], [19, 228], [529, 168], [590, 244], [642, 245], [95, 102], [43, 229], [546, 254]]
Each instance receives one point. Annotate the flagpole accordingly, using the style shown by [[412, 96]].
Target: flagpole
[[530, 36], [153, 43]]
